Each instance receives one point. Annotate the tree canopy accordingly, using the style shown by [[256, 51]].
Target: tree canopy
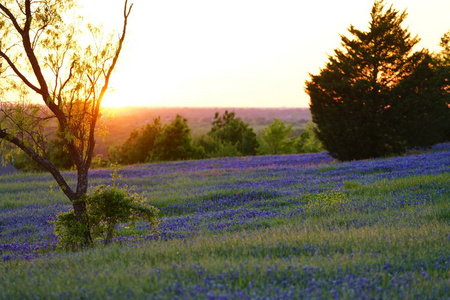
[[50, 79], [175, 143], [139, 144], [229, 130], [276, 139], [370, 90]]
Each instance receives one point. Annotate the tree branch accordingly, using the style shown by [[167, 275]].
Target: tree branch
[[91, 140], [41, 161], [12, 18], [28, 16], [18, 73]]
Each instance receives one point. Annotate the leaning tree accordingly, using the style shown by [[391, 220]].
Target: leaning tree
[[373, 88], [54, 72]]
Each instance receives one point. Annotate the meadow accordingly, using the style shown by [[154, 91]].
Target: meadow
[[265, 227]]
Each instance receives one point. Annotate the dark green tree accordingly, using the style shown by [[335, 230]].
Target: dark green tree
[[353, 99], [421, 107], [59, 155], [216, 148], [229, 130], [444, 56], [176, 143], [443, 60]]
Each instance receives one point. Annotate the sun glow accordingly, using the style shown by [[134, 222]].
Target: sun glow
[[237, 53]]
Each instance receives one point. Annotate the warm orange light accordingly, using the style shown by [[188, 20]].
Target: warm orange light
[[237, 53]]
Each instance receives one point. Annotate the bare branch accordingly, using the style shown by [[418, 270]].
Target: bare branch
[[65, 82], [12, 18], [38, 34], [20, 7], [18, 73], [91, 140]]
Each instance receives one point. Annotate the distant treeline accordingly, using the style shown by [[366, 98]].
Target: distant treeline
[[120, 122], [228, 136], [156, 141]]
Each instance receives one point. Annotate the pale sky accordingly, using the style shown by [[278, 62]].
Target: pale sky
[[239, 53]]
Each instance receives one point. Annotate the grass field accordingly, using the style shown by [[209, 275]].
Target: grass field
[[268, 227]]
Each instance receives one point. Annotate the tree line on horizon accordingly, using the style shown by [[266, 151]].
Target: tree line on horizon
[[229, 136]]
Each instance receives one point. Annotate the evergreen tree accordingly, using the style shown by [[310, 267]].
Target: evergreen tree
[[421, 107], [353, 99], [443, 61], [444, 56]]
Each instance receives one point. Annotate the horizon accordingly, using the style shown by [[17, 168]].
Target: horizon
[[204, 107]]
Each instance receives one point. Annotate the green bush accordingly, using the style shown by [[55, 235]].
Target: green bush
[[106, 207], [69, 231], [326, 203], [138, 145], [308, 142], [276, 139]]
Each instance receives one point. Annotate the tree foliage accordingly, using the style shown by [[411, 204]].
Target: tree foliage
[[42, 59], [444, 55], [107, 206], [308, 142], [155, 142], [421, 108], [276, 139], [56, 153], [176, 143], [362, 100], [138, 145], [229, 130]]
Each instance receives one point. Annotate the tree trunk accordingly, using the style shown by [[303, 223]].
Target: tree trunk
[[79, 204], [80, 209]]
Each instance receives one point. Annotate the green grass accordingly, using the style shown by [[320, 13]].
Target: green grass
[[247, 254]]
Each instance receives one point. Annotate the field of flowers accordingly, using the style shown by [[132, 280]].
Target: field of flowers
[[266, 227]]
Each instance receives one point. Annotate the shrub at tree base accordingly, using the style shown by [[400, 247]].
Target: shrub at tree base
[[106, 207]]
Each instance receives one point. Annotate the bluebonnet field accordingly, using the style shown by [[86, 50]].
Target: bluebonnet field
[[268, 227]]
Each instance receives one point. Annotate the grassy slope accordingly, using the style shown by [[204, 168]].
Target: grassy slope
[[267, 227]]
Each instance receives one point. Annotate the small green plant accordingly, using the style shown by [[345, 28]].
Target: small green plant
[[107, 206], [326, 202], [70, 233], [352, 184]]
